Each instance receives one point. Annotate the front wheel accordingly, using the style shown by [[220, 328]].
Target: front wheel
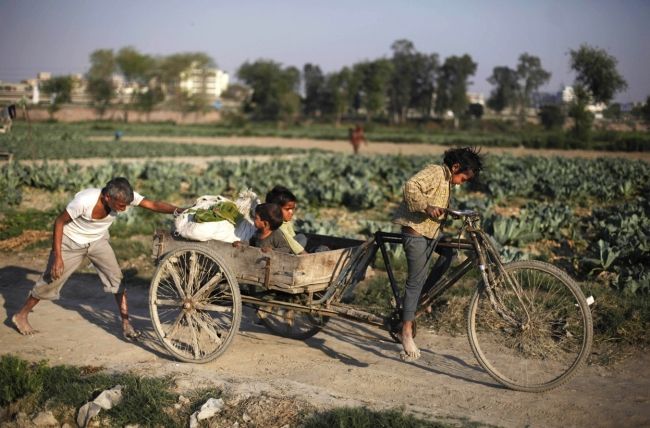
[[195, 304], [541, 332]]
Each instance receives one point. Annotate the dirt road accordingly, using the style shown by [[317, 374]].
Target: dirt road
[[373, 148], [346, 364]]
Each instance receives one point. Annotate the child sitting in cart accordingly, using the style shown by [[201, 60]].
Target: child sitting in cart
[[287, 201], [268, 219]]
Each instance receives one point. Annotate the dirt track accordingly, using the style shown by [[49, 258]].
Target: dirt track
[[346, 364], [373, 148]]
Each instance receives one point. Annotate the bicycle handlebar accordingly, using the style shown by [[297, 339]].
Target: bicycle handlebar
[[463, 213]]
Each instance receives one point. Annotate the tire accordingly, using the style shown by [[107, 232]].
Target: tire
[[291, 323], [544, 352], [195, 304]]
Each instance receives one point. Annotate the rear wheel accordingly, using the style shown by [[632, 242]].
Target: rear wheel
[[195, 304], [543, 333], [291, 323]]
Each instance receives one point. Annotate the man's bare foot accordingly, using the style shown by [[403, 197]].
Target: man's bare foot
[[129, 332], [410, 350], [22, 325]]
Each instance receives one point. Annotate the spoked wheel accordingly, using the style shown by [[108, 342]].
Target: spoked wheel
[[546, 332], [291, 323], [195, 304]]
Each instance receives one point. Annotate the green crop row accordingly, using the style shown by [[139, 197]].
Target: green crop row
[[596, 210]]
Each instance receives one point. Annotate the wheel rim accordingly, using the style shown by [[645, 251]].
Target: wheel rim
[[291, 323], [192, 305], [550, 339]]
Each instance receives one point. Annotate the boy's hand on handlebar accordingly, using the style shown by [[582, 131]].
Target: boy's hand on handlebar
[[434, 212]]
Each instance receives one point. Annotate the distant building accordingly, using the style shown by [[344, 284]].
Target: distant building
[[11, 93], [211, 81]]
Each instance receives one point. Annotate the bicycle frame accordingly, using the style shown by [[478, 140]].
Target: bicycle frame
[[435, 291]]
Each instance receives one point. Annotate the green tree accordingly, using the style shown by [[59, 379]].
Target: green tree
[[412, 80], [453, 78], [423, 85], [506, 91], [100, 79], [582, 118], [169, 73], [374, 82], [596, 72], [597, 79], [551, 117], [59, 88], [645, 111], [138, 71], [339, 92], [314, 86], [402, 78], [475, 110], [275, 89], [531, 76], [613, 112]]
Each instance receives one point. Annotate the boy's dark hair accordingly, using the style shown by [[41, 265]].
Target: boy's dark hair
[[119, 188], [469, 158], [280, 195], [270, 213]]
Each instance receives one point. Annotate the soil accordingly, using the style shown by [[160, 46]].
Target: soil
[[346, 364]]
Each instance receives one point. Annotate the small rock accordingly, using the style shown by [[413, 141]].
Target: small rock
[[45, 419], [132, 426], [246, 418], [177, 406], [235, 425], [183, 400], [184, 383], [22, 420]]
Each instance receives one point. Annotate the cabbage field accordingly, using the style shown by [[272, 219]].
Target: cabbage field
[[591, 216]]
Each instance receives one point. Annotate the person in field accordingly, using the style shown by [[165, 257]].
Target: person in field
[[81, 231], [288, 204], [420, 214], [357, 138]]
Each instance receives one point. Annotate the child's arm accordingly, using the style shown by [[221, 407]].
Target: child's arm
[[294, 245]]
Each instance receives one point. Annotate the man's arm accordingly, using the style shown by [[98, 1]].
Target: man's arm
[[160, 207], [57, 239]]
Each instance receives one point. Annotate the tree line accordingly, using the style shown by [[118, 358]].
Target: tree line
[[388, 88]]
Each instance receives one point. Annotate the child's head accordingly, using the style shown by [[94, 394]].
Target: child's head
[[283, 197], [465, 164], [268, 216]]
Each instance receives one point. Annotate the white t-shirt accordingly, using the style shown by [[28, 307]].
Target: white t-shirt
[[83, 229]]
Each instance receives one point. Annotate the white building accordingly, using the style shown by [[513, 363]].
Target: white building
[[211, 81]]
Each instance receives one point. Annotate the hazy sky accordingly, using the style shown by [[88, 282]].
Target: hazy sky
[[59, 35]]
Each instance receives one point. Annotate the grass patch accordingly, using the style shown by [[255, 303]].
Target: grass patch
[[63, 389], [65, 142], [357, 417], [621, 323], [32, 387], [15, 222]]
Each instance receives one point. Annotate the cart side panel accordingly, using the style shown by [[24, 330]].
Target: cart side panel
[[272, 270]]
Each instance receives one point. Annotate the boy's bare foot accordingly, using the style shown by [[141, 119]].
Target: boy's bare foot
[[410, 350], [22, 325]]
